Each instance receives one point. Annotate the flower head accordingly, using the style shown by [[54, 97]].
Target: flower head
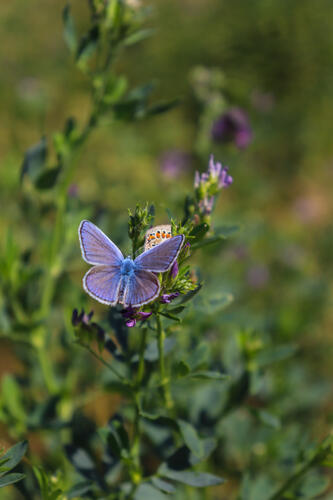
[[166, 298], [209, 183], [132, 315], [233, 126]]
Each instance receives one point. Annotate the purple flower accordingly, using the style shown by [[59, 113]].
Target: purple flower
[[174, 269], [233, 126], [166, 298], [174, 163], [82, 318], [216, 172], [83, 321], [132, 315]]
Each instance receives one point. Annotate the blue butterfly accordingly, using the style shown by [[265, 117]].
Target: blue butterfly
[[116, 280]]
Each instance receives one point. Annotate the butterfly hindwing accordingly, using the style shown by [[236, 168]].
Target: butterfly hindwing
[[161, 257], [142, 287], [96, 247], [103, 284]]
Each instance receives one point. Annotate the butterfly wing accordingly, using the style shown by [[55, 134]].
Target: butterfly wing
[[160, 258], [103, 284], [96, 247], [142, 287]]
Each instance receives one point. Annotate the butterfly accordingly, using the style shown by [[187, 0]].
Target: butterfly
[[114, 279], [156, 235]]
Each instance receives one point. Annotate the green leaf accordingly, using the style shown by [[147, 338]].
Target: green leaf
[[191, 478], [275, 354], [10, 479], [69, 29], [87, 47], [313, 486], [214, 303], [221, 234], [268, 419], [163, 485], [151, 352], [198, 356], [34, 160], [161, 107], [208, 375], [199, 231], [170, 316], [79, 489], [148, 492], [14, 455], [191, 438], [48, 178], [181, 369], [138, 36], [12, 398], [190, 295]]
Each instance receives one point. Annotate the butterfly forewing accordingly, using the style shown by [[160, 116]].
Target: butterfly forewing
[[96, 247], [160, 258], [103, 284], [141, 288]]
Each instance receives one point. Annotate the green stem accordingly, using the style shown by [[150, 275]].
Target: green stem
[[135, 470], [296, 476], [105, 363], [52, 270], [164, 379]]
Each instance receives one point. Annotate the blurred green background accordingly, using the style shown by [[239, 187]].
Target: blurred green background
[[276, 58]]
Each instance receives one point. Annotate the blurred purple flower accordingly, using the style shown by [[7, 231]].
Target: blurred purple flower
[[258, 276], [73, 190], [132, 315], [166, 298], [233, 126], [174, 163]]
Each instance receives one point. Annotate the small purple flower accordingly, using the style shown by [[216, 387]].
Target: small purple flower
[[174, 163], [233, 126], [73, 191], [83, 321], [216, 172], [166, 298], [132, 315], [82, 318], [174, 269]]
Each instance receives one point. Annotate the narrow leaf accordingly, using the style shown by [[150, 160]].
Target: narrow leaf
[[192, 478], [15, 454], [10, 479], [69, 29]]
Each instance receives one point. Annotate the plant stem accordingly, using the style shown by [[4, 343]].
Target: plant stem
[[318, 457], [105, 363], [164, 379], [135, 470]]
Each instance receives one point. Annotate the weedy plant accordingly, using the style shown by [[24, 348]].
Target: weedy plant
[[172, 426]]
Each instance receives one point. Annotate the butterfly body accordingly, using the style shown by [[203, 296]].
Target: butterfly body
[[114, 279]]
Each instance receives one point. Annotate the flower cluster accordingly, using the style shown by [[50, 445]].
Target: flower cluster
[[133, 315], [208, 184], [233, 126], [85, 329]]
